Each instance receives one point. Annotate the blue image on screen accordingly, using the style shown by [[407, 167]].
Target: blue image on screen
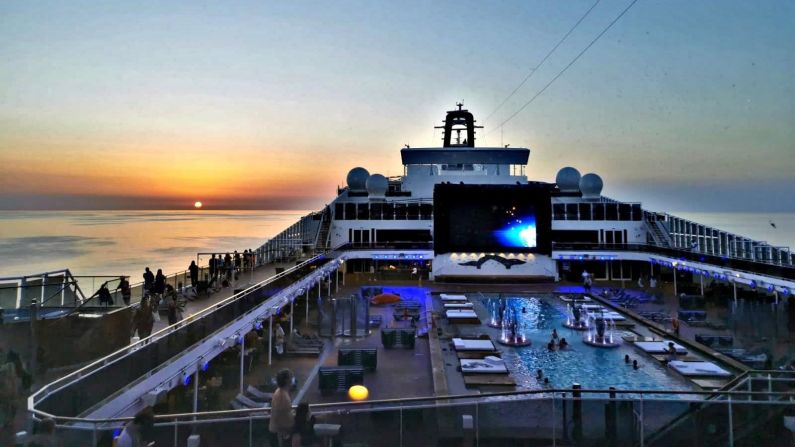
[[520, 232]]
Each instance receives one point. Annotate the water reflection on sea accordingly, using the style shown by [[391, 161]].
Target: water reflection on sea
[[124, 242]]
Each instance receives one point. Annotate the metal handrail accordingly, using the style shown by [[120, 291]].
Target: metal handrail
[[47, 389], [413, 402], [673, 252]]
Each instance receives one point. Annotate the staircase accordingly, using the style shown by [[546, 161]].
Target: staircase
[[657, 231], [322, 241]]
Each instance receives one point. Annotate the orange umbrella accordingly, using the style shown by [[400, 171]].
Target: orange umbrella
[[385, 298]]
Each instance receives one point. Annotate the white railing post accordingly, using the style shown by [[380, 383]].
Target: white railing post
[[731, 423]]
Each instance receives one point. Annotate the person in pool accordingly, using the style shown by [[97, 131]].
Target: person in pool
[[626, 359], [563, 343], [554, 334], [546, 380], [635, 364], [551, 346]]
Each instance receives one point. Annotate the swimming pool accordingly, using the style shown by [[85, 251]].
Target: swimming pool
[[591, 367]]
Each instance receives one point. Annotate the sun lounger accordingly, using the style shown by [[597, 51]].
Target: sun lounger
[[460, 313], [250, 403], [258, 395], [450, 297], [659, 347], [698, 369], [458, 305], [461, 344], [573, 299], [488, 365]]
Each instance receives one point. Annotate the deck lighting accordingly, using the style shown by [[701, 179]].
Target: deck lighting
[[358, 392]]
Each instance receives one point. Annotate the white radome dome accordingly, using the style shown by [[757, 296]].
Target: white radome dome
[[568, 179], [357, 177], [591, 186], [377, 185]]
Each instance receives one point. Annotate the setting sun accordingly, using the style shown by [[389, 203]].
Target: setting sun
[[197, 205]]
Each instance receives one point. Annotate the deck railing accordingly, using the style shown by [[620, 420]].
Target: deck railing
[[757, 409], [739, 264], [77, 392]]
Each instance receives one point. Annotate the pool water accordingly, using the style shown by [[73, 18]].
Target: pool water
[[591, 367]]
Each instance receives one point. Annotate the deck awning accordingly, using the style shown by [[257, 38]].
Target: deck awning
[[465, 155]]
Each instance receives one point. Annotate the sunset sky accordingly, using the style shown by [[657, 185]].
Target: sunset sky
[[267, 105]]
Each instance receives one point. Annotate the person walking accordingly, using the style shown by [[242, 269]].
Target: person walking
[[124, 287], [149, 280], [194, 273], [281, 421]]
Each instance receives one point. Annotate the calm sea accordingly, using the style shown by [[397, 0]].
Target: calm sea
[[124, 242]]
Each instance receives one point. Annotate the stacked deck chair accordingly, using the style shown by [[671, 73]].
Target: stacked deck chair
[[297, 345], [367, 358], [252, 398], [394, 338], [337, 379]]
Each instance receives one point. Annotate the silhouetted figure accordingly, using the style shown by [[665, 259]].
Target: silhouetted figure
[[124, 287], [149, 279], [213, 268], [104, 295], [143, 321], [626, 359], [194, 273], [238, 261], [563, 343], [228, 266], [160, 282], [635, 364], [173, 310], [303, 427]]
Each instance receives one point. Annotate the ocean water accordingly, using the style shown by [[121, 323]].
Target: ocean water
[[124, 242]]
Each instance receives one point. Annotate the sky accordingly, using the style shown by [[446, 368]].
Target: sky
[[266, 105]]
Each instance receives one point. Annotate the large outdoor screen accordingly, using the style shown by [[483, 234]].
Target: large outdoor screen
[[489, 218]]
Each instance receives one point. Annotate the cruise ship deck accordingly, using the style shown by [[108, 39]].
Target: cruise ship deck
[[447, 293]]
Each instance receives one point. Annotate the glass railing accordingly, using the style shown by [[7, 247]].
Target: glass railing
[[781, 271], [79, 391], [565, 417]]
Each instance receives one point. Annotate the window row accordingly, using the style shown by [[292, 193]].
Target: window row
[[597, 211], [383, 211]]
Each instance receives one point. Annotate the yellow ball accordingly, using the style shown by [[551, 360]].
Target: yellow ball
[[358, 392]]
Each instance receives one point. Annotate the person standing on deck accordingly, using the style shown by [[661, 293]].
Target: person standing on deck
[[237, 262], [124, 286], [228, 266], [194, 273], [149, 280], [143, 320], [281, 420], [213, 270], [160, 282]]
